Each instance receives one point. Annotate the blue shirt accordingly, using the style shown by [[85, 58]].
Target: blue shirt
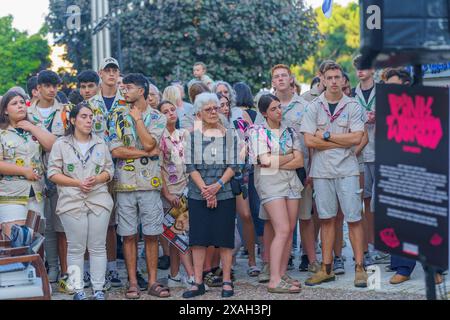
[[109, 102]]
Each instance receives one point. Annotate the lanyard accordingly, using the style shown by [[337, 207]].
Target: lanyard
[[89, 153], [336, 114]]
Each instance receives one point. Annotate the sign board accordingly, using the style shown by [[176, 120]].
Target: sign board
[[412, 173]]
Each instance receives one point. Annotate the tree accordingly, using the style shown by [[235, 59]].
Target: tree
[[339, 42], [239, 40], [21, 55]]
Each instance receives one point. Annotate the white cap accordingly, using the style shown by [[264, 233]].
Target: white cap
[[108, 61]]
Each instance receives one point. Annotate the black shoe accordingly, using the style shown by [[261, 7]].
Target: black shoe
[[291, 263], [228, 293], [194, 293], [142, 283], [164, 262], [304, 263]]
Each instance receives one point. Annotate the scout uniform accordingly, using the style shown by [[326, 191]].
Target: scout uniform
[[311, 94], [21, 148], [272, 184], [137, 181], [369, 150], [85, 216], [335, 171], [292, 117], [56, 124], [173, 166]]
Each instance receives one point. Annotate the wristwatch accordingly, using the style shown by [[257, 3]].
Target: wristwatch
[[326, 135]]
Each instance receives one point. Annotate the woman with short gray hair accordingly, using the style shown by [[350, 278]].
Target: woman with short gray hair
[[211, 201]]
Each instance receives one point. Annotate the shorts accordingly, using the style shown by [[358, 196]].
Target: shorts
[[291, 196], [369, 179], [345, 190], [17, 212], [52, 220], [306, 204], [136, 207]]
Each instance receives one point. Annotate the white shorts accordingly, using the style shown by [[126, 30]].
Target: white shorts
[[17, 212], [345, 190]]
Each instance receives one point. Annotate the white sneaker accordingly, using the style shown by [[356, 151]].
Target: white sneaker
[[174, 282], [188, 281]]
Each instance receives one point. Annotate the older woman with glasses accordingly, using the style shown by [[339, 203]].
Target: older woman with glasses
[[211, 164]]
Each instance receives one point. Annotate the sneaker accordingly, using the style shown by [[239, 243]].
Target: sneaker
[[174, 282], [264, 275], [314, 267], [291, 263], [65, 286], [107, 286], [303, 267], [113, 278], [87, 279], [53, 273], [388, 268], [320, 277], [338, 266], [142, 283], [164, 262], [80, 296], [189, 282], [360, 276], [368, 261], [379, 257], [99, 295]]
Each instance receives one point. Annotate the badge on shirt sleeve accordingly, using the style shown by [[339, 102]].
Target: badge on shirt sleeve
[[97, 169], [20, 162], [155, 182], [144, 161], [70, 167]]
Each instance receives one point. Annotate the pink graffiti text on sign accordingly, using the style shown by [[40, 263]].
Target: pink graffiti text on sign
[[411, 121]]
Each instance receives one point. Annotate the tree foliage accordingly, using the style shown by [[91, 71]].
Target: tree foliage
[[21, 55], [239, 40], [339, 41]]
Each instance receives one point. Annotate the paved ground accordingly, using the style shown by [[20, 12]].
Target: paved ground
[[247, 288]]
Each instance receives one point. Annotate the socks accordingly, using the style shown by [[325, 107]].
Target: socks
[[371, 247], [111, 266]]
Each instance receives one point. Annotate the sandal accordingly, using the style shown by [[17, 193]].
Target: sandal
[[291, 281], [133, 293], [158, 290], [283, 287], [253, 271]]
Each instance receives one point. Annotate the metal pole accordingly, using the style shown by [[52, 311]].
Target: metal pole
[[101, 47], [107, 32], [95, 61]]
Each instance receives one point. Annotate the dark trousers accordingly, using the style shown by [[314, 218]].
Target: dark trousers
[[402, 266]]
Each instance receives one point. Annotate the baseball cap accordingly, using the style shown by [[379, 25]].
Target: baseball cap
[[109, 61]]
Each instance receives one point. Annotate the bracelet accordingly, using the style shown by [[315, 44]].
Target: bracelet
[[221, 183]]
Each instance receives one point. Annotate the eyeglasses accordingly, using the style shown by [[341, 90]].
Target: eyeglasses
[[211, 109]]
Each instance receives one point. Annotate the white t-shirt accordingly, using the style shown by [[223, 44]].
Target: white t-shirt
[[45, 112], [84, 147]]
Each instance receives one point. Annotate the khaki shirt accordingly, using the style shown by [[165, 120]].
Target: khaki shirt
[[311, 94], [66, 158], [274, 182], [369, 107], [339, 162], [135, 174], [99, 126], [292, 117], [173, 166], [24, 151]]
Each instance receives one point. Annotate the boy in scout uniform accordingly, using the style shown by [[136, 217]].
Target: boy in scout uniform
[[135, 132], [51, 115], [332, 125]]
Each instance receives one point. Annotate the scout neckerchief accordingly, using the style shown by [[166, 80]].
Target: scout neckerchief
[[336, 113], [47, 122], [177, 144], [133, 125], [82, 159], [271, 138], [23, 134], [362, 101]]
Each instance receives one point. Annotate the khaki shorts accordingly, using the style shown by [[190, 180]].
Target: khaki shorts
[[136, 207], [262, 211], [306, 204], [52, 220], [329, 193]]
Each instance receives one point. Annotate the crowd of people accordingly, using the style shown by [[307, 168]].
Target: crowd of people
[[106, 163]]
